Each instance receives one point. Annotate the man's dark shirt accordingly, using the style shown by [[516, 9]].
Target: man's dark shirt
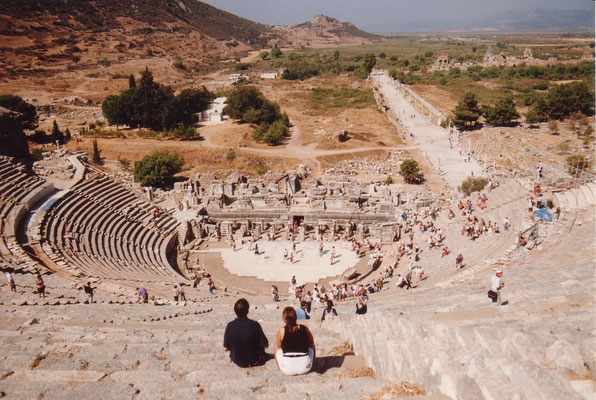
[[245, 340]]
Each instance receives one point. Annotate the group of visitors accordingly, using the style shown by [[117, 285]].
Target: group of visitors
[[475, 227], [40, 286], [294, 348], [178, 293]]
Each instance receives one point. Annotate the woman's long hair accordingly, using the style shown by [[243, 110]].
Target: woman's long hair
[[289, 317]]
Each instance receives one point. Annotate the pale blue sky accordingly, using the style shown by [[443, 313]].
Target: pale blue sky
[[378, 12]]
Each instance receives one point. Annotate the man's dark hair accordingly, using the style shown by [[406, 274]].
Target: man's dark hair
[[303, 303], [241, 308]]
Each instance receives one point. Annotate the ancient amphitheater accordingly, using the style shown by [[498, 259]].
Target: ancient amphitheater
[[442, 339], [72, 223]]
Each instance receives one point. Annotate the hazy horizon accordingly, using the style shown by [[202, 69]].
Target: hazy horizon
[[380, 15]]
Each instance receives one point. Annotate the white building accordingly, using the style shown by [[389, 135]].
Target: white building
[[213, 113], [269, 75]]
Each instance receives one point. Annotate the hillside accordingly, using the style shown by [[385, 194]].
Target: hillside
[[104, 15], [61, 48], [323, 30]]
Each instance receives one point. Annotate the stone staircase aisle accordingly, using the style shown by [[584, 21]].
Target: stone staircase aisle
[[72, 352]]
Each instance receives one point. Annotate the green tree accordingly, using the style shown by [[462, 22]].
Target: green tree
[[276, 52], [264, 55], [96, 156], [538, 112], [248, 104], [157, 169], [410, 171], [131, 82], [183, 108], [276, 132], [67, 135], [382, 56], [503, 113], [57, 135], [565, 99], [369, 62], [301, 69], [336, 54], [553, 127], [473, 184], [17, 104], [121, 109], [466, 112]]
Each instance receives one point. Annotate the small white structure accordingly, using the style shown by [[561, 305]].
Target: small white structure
[[213, 113], [237, 78], [269, 75]]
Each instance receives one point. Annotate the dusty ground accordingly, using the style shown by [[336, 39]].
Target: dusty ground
[[197, 157], [522, 148], [367, 126]]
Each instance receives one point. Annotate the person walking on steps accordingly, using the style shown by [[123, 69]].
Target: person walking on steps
[[496, 284], [329, 310], [10, 280], [362, 304], [89, 292], [274, 293], [41, 287]]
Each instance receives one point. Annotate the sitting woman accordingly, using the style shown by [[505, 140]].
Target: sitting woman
[[294, 346]]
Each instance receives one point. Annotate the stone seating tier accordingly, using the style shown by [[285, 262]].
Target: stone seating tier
[[91, 220]]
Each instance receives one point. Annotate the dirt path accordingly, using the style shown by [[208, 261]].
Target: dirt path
[[293, 148]]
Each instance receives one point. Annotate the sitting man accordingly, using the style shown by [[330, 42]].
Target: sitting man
[[244, 338], [302, 312]]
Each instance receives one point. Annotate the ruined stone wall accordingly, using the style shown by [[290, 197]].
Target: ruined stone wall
[[13, 141]]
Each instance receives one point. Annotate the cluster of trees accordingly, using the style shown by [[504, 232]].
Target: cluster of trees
[[559, 102], [302, 69], [368, 63], [553, 72], [274, 53], [468, 111], [248, 104], [152, 105], [30, 120], [17, 104], [57, 135], [157, 169], [406, 78]]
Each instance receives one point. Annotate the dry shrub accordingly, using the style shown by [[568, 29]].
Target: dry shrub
[[38, 359], [346, 349], [357, 373], [397, 391]]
